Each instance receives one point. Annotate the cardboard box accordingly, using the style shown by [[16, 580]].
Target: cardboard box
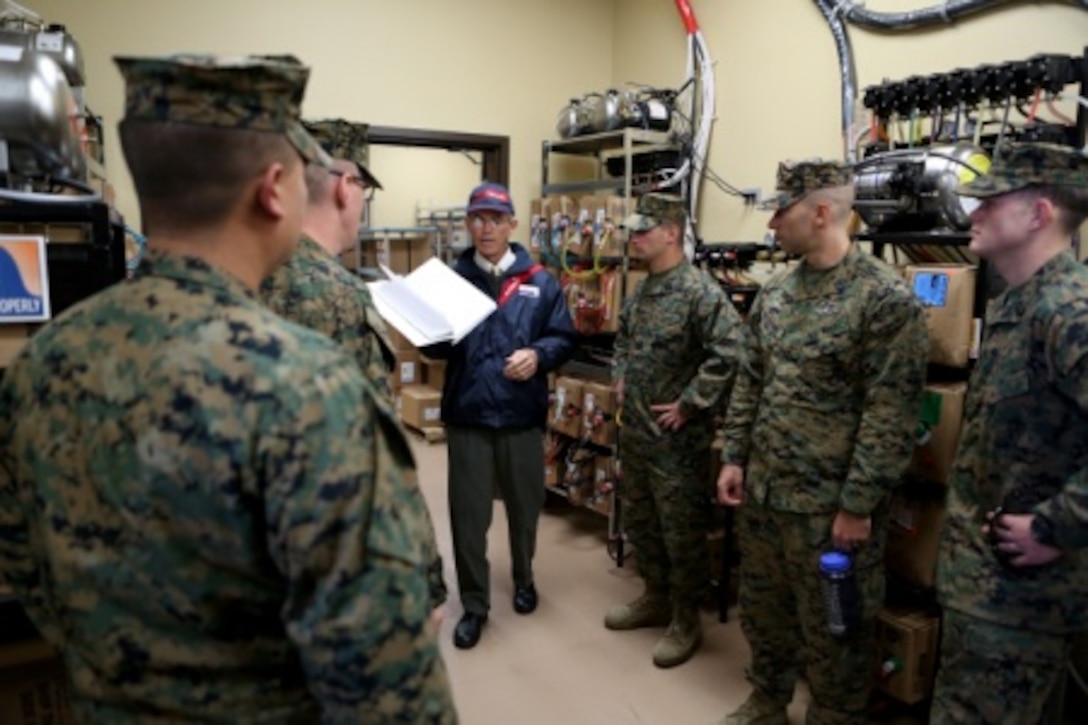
[[12, 339], [634, 279], [611, 293], [33, 685], [941, 424], [914, 532], [54, 233], [399, 342], [434, 373], [613, 239], [907, 651], [598, 413], [604, 484], [565, 407], [420, 407], [578, 479], [407, 369], [948, 293], [403, 254], [538, 227]]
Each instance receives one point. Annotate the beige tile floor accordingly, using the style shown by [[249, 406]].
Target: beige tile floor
[[559, 664]]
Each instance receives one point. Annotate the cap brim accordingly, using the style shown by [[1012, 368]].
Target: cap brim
[[778, 202], [984, 186], [307, 146], [639, 223], [490, 206], [370, 179]]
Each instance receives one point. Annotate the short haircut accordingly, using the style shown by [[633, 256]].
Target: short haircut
[[319, 181], [840, 199], [1071, 202], [190, 177]]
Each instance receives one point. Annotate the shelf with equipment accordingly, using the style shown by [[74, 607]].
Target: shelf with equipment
[[401, 249], [84, 253]]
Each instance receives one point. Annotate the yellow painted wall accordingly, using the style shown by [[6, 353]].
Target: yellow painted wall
[[507, 66], [778, 75], [479, 66]]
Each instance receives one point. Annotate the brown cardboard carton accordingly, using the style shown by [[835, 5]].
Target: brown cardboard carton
[[406, 370], [434, 372], [578, 478], [613, 239], [553, 458], [610, 283], [948, 293], [399, 342], [565, 408], [942, 423], [590, 222], [12, 339], [598, 412], [907, 650], [403, 254], [420, 407], [604, 484], [634, 279], [914, 532], [538, 226]]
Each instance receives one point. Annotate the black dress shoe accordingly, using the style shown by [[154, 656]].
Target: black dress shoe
[[525, 599], [467, 632]]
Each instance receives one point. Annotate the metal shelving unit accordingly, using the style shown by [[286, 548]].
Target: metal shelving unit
[[370, 235], [627, 145]]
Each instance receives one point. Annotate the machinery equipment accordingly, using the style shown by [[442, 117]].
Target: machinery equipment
[[51, 159], [928, 134], [648, 109], [44, 122], [914, 189]]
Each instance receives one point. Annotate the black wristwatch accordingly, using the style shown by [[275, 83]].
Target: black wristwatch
[[1042, 530]]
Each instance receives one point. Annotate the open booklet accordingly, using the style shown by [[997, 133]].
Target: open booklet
[[431, 304]]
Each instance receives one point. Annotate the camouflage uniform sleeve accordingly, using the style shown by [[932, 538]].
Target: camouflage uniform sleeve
[[348, 537], [17, 563], [361, 332], [1067, 511], [720, 330], [893, 366], [747, 389]]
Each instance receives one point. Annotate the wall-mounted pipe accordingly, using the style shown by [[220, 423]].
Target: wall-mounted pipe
[[836, 11], [857, 14], [847, 71]]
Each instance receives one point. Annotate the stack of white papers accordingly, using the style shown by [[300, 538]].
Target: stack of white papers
[[432, 304]]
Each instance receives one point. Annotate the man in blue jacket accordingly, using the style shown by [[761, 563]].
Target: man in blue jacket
[[495, 405]]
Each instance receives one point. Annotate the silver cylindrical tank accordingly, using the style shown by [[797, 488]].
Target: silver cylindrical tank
[[39, 116], [915, 189]]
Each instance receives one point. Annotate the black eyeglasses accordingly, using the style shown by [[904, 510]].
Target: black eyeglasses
[[368, 191]]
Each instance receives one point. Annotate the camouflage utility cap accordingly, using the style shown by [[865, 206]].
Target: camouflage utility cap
[[345, 140], [244, 92], [654, 210], [797, 179], [1020, 165]]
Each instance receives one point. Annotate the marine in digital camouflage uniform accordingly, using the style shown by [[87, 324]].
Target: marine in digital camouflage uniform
[[820, 427], [208, 509], [676, 355], [1024, 447], [315, 290]]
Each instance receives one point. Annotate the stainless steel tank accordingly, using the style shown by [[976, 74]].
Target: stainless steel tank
[[572, 120], [40, 117], [914, 189]]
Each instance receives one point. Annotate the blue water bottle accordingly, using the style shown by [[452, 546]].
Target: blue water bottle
[[840, 590]]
